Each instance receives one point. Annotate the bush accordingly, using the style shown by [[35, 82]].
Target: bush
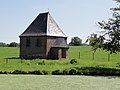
[[100, 71], [56, 72], [66, 72], [72, 72], [18, 72], [94, 71], [45, 72], [118, 64], [36, 72], [4, 72], [73, 61]]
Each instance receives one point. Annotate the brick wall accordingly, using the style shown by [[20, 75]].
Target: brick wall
[[33, 51]]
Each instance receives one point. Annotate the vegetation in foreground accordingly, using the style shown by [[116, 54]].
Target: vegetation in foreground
[[80, 62]]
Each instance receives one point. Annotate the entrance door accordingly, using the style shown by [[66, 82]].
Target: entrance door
[[63, 53], [59, 54]]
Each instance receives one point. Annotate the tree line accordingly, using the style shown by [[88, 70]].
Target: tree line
[[12, 44]]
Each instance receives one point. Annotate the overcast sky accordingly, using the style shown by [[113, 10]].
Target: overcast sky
[[75, 17]]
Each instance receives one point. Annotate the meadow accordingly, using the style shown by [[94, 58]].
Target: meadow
[[17, 74], [10, 62]]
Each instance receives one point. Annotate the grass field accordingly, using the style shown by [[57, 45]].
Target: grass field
[[37, 82], [9, 60]]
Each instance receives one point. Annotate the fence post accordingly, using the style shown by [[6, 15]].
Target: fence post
[[6, 61], [93, 55], [79, 54], [108, 57]]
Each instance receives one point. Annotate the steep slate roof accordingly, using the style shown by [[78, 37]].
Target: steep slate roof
[[43, 25]]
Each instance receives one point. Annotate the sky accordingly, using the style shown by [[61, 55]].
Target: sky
[[74, 17]]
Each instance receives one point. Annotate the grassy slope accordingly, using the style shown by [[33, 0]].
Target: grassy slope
[[8, 61], [32, 82]]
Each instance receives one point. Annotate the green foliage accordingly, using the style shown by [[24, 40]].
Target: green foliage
[[99, 71], [3, 44], [56, 72], [73, 61], [13, 44], [109, 38], [17, 72], [75, 41], [95, 41], [116, 8], [112, 32], [36, 72]]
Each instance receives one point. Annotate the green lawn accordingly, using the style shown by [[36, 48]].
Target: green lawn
[[9, 60], [37, 82], [86, 57]]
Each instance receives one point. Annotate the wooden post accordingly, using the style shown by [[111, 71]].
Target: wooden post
[[108, 57], [6, 61], [93, 55], [79, 54]]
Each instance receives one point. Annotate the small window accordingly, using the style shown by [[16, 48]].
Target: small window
[[38, 42], [27, 42]]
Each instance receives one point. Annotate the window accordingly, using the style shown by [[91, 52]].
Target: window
[[38, 42], [28, 42]]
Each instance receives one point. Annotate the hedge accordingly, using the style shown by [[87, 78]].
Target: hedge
[[99, 71]]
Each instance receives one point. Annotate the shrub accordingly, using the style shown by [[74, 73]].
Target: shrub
[[18, 72], [66, 72], [45, 72], [72, 72], [98, 71], [36, 72], [56, 72], [118, 64], [73, 61]]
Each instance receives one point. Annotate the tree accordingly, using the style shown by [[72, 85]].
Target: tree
[[109, 38], [95, 41], [116, 8], [13, 44], [3, 44], [75, 41]]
